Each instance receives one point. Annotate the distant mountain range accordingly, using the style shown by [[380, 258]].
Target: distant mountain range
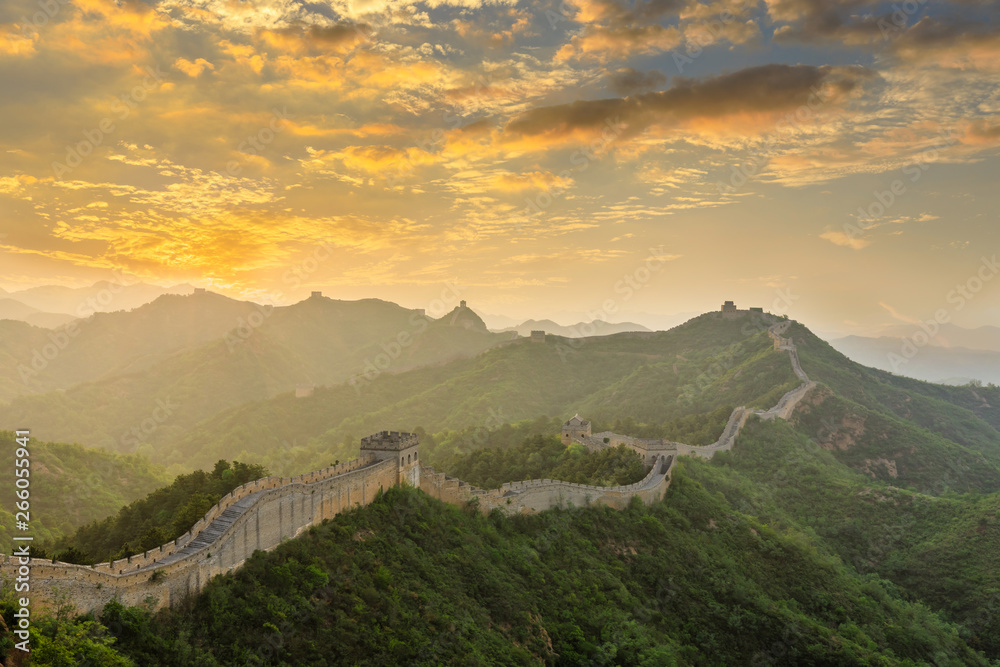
[[949, 335], [953, 355], [102, 297], [578, 330], [15, 310], [161, 368]]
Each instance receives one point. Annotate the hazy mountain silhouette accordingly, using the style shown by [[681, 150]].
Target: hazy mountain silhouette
[[102, 296], [578, 330], [11, 309], [933, 363]]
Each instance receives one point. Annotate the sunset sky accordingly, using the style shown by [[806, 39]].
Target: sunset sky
[[534, 153]]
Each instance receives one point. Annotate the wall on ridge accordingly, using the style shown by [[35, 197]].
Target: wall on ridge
[[278, 513], [157, 554], [538, 495]]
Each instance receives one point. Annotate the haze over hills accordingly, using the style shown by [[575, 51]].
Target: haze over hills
[[110, 344], [122, 293], [181, 359], [578, 330], [15, 310], [946, 335], [933, 363], [649, 378]]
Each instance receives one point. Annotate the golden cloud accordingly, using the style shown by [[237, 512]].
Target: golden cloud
[[193, 69], [842, 239]]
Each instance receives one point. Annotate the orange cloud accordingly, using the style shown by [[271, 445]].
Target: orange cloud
[[14, 43], [193, 69], [313, 39], [244, 55], [842, 239], [603, 44], [982, 132], [384, 161], [531, 180]]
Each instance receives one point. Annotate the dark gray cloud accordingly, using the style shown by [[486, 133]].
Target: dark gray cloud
[[857, 22], [767, 88], [626, 80]]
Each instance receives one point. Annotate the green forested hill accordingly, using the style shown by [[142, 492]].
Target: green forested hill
[[71, 486], [967, 415], [654, 379], [928, 437], [163, 515], [259, 353], [408, 580], [942, 551]]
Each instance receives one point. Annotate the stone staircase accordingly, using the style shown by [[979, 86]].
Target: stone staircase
[[212, 532]]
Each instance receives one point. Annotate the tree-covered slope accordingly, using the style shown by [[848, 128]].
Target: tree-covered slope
[[655, 378], [967, 415], [942, 551], [408, 580], [71, 486], [161, 516], [260, 353], [894, 450]]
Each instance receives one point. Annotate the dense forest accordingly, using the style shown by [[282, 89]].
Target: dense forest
[[408, 580], [72, 486]]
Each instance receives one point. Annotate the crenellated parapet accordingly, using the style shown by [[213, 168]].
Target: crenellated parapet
[[255, 516], [537, 495], [401, 447]]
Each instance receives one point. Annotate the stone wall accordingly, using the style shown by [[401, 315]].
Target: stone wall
[[259, 516], [538, 495]]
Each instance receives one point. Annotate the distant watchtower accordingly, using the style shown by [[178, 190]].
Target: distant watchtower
[[398, 447], [729, 307], [537, 336], [577, 427]]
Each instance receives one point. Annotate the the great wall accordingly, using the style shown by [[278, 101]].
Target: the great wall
[[261, 514]]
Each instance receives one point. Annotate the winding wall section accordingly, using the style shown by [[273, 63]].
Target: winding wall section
[[263, 513]]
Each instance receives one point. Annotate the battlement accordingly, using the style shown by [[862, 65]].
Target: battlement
[[730, 310], [397, 446], [393, 441]]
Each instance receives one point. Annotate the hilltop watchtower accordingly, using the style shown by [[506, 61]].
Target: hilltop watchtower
[[577, 427], [398, 447]]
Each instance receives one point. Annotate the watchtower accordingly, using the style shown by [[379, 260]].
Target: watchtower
[[398, 447], [574, 428]]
